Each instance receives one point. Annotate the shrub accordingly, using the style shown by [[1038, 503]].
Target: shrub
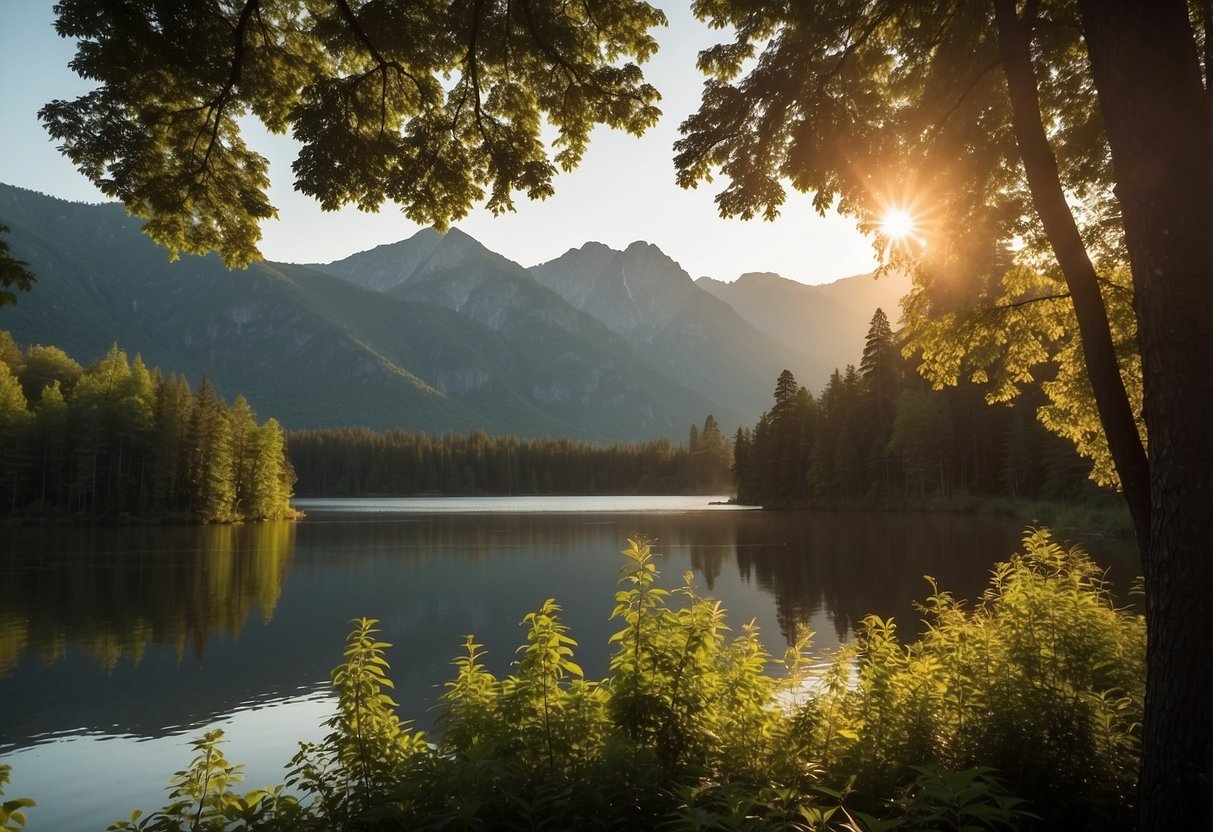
[[1035, 692]]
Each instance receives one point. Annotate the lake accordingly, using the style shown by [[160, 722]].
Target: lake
[[120, 645]]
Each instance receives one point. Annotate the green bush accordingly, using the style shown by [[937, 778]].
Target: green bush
[[1036, 692]]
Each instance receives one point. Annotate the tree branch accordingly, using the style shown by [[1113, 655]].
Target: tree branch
[[570, 71], [1018, 303], [474, 74], [382, 64], [216, 105]]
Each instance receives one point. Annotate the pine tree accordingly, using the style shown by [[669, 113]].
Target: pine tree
[[212, 490], [243, 424], [269, 474], [880, 371], [171, 466]]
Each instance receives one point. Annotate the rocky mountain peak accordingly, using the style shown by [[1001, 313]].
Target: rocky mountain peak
[[387, 266]]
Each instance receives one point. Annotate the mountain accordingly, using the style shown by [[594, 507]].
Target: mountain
[[314, 350], [828, 322], [437, 332], [645, 296], [585, 360]]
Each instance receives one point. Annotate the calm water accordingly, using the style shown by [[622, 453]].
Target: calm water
[[117, 646]]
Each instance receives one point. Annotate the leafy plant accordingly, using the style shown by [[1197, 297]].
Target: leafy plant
[[202, 799], [354, 769], [12, 812], [972, 800]]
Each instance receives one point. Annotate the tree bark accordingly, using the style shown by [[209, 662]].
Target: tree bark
[[1147, 75], [1049, 199]]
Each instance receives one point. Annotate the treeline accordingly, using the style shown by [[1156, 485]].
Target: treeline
[[117, 439], [878, 433], [357, 461]]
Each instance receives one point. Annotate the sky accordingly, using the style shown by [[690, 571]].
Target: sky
[[623, 191]]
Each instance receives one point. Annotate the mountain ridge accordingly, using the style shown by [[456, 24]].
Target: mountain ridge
[[433, 332]]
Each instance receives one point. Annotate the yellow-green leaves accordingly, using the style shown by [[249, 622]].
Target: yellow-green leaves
[[1025, 333]]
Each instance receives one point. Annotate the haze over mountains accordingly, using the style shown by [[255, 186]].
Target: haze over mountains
[[437, 332]]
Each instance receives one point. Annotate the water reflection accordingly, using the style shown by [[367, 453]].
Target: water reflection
[[114, 593], [853, 565], [148, 632]]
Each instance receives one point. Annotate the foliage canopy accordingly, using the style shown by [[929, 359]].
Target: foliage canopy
[[433, 105]]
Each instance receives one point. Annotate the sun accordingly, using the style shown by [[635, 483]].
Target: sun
[[897, 224]]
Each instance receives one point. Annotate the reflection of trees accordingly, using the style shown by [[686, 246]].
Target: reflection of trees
[[709, 536], [115, 592], [856, 564]]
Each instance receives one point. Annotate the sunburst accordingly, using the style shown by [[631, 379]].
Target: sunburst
[[898, 224]]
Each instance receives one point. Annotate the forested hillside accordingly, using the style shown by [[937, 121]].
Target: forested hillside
[[118, 440]]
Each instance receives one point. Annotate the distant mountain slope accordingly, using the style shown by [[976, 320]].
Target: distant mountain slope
[[644, 295], [828, 322], [575, 365], [315, 351]]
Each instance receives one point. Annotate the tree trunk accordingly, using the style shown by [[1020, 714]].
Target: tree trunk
[[1147, 75], [1049, 200]]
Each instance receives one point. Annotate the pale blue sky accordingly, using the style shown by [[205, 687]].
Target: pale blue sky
[[623, 191]]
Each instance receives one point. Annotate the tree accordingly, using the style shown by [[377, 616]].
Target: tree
[[270, 477], [44, 365], [880, 374], [209, 444], [433, 105], [990, 121], [50, 430], [922, 436]]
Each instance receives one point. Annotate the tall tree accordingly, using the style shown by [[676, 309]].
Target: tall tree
[[51, 432], [269, 476], [990, 121], [209, 442], [880, 373]]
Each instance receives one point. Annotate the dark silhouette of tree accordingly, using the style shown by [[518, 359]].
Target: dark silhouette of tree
[[880, 370]]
